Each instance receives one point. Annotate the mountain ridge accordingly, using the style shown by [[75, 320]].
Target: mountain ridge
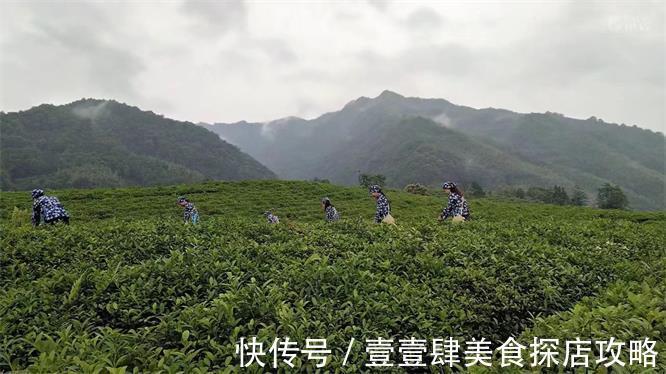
[[105, 143], [560, 150]]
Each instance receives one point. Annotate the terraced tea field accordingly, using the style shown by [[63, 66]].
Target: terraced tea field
[[128, 286]]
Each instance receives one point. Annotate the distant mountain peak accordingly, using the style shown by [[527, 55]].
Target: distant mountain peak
[[364, 102], [387, 94], [91, 101], [284, 120]]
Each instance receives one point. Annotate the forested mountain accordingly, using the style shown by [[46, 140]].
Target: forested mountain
[[414, 140], [94, 143]]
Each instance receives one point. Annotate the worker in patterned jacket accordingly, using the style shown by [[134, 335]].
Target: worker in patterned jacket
[[190, 212], [457, 207], [331, 214], [383, 205], [47, 208], [271, 218]]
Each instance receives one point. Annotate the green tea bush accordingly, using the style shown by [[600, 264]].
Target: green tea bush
[[128, 286], [20, 217], [417, 189], [625, 311]]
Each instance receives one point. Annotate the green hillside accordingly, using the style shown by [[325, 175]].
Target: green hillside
[[128, 285], [388, 134], [419, 150], [592, 152], [99, 143]]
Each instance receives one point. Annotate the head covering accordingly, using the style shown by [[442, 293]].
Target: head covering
[[182, 199], [374, 188], [267, 213], [448, 185], [37, 193], [324, 200]]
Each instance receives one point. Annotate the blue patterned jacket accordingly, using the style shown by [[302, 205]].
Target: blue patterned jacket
[[190, 214], [383, 208], [457, 206], [332, 214], [272, 218], [47, 208]]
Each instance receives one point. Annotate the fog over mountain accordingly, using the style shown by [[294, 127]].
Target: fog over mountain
[[229, 61], [412, 140]]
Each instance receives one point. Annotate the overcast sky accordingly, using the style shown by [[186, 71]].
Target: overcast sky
[[258, 61]]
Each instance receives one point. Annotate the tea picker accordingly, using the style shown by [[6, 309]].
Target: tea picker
[[457, 207], [331, 214], [383, 213], [47, 207], [271, 218], [190, 212]]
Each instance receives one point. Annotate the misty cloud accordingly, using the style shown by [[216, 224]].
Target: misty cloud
[[424, 19], [228, 61], [215, 18], [443, 120], [381, 5], [58, 56], [90, 111]]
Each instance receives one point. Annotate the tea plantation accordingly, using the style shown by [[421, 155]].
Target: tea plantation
[[129, 287]]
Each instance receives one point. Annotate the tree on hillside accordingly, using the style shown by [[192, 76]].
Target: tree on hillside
[[367, 180], [539, 194], [611, 197], [578, 196], [417, 189], [475, 190], [520, 193], [559, 196]]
